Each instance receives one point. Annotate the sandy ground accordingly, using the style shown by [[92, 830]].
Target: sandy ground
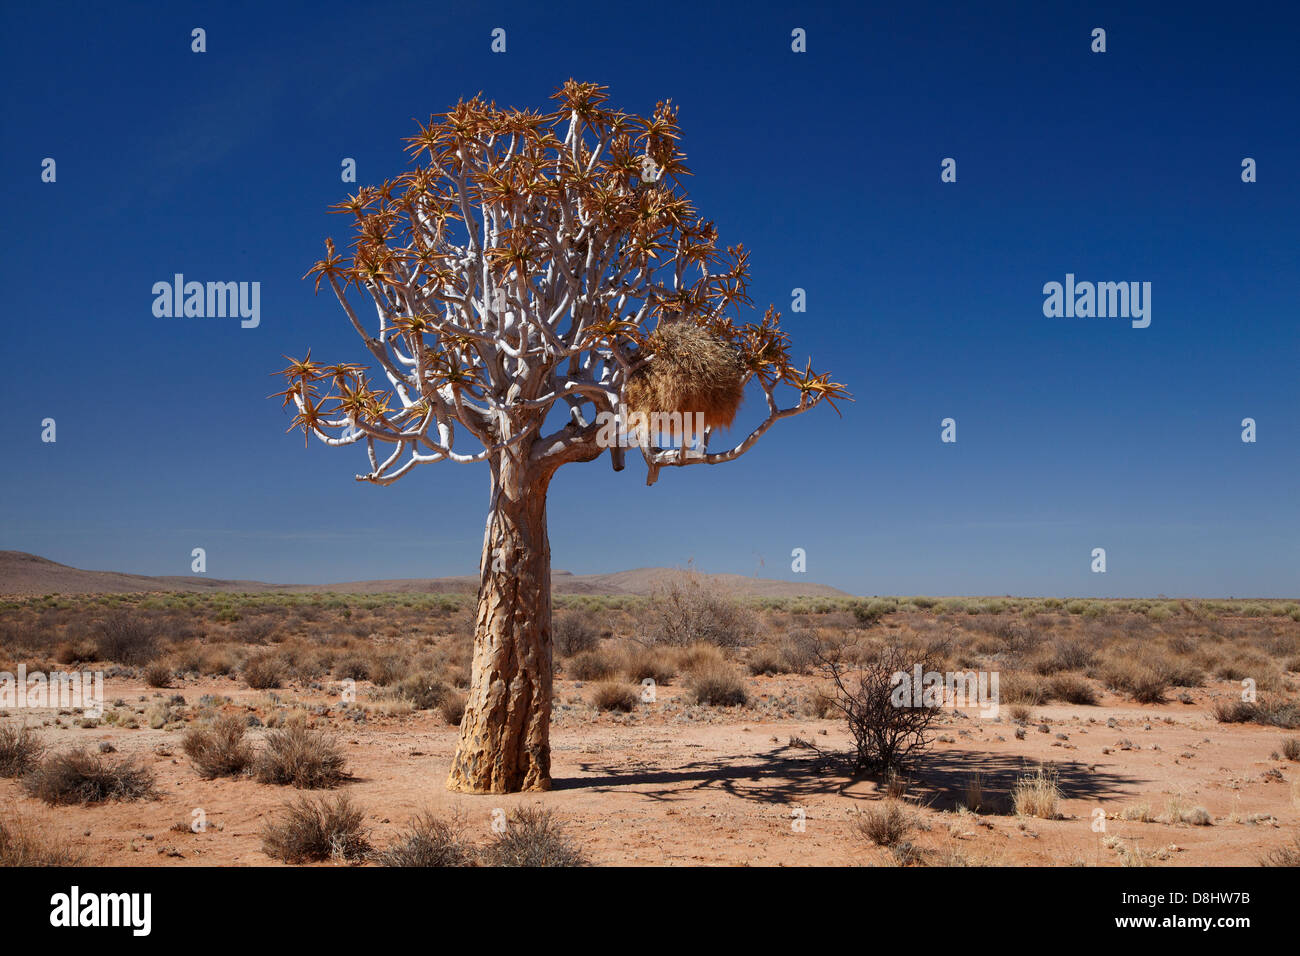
[[678, 785]]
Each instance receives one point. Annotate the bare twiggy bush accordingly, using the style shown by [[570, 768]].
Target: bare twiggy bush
[[690, 610], [20, 750], [322, 828], [220, 749], [23, 844], [78, 776], [533, 837], [303, 758], [717, 686], [126, 638], [886, 824], [430, 841], [611, 695], [1291, 748], [573, 633], [889, 732]]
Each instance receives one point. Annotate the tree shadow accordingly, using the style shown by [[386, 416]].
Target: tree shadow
[[785, 774]]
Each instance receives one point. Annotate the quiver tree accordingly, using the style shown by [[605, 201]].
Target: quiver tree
[[522, 274]]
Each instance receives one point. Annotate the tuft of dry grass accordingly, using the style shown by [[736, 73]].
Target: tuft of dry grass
[[886, 824], [264, 672], [20, 750], [22, 844], [1037, 794], [303, 758], [219, 750], [533, 837], [78, 776], [316, 829], [717, 686]]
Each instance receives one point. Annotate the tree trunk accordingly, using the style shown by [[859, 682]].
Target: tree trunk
[[505, 733]]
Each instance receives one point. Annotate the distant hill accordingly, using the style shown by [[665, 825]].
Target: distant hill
[[23, 574]]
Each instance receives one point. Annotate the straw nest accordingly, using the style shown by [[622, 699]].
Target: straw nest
[[691, 370]]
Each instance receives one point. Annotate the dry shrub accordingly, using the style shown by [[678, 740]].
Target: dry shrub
[[430, 841], [255, 630], [424, 691], [75, 652], [264, 671], [765, 659], [640, 663], [699, 656], [573, 633], [1140, 680], [886, 736], [158, 674], [352, 666], [1018, 687], [533, 837], [389, 669], [1037, 794], [1069, 654], [1288, 854], [125, 638], [21, 844], [303, 758], [20, 750], [78, 776], [1268, 711], [690, 370], [688, 609], [1233, 711], [611, 695], [316, 829], [220, 749], [886, 824], [1291, 748], [1071, 688], [452, 708], [717, 686], [591, 665]]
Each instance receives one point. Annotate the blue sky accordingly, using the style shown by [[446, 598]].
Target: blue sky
[[924, 297]]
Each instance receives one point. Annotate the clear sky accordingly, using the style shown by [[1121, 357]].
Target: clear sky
[[924, 297]]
